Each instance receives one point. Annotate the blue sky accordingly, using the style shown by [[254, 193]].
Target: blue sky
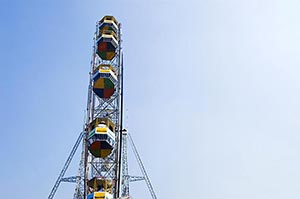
[[211, 94]]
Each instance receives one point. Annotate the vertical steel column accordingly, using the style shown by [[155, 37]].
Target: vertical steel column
[[90, 113], [119, 144]]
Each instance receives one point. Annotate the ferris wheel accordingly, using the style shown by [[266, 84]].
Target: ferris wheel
[[103, 167]]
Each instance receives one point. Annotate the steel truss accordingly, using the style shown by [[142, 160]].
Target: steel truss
[[104, 108], [115, 165]]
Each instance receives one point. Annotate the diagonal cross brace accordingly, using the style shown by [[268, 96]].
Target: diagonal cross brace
[[66, 165]]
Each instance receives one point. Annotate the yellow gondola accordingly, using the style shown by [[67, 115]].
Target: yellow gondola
[[101, 138]]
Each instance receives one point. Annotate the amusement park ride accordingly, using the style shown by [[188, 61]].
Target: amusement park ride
[[103, 167]]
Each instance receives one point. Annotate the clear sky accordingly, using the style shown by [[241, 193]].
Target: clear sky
[[211, 94]]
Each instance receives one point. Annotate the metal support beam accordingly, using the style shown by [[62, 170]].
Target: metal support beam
[[135, 178], [72, 179], [143, 170], [66, 165]]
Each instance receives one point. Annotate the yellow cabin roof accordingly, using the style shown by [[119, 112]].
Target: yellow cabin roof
[[109, 19], [106, 121], [106, 67]]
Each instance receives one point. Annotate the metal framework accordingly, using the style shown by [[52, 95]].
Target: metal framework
[[113, 167], [143, 170], [65, 168]]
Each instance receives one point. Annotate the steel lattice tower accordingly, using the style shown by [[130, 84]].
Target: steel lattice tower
[[103, 167]]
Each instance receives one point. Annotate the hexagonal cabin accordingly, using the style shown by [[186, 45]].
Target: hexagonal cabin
[[105, 79], [107, 38], [101, 138]]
